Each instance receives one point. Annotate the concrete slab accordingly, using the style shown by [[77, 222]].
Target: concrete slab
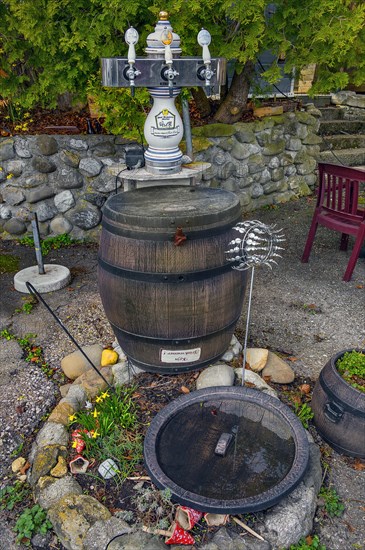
[[54, 278]]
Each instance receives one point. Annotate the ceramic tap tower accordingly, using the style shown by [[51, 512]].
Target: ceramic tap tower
[[164, 72], [163, 129]]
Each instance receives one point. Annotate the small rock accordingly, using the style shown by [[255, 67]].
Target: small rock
[[18, 464], [52, 433], [47, 145], [60, 470], [257, 358], [228, 356], [50, 490], [43, 165], [108, 469], [93, 383], [255, 379], [64, 389], [121, 373], [15, 227], [61, 413], [75, 364], [108, 357], [90, 167], [279, 371], [102, 532], [76, 397], [73, 516], [216, 375], [45, 459]]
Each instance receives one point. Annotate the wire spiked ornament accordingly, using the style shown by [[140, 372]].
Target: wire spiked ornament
[[258, 245]]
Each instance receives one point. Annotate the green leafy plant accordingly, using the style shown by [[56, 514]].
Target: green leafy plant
[[32, 521], [52, 243], [111, 429], [351, 366], [308, 543], [33, 353], [154, 507], [11, 495], [5, 333], [27, 307], [332, 502], [304, 413], [8, 263]]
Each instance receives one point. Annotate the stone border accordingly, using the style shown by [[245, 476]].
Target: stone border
[[81, 522], [65, 180]]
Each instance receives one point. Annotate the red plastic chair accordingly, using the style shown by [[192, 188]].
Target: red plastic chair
[[337, 208]]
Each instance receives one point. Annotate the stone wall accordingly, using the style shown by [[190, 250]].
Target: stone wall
[[66, 179]]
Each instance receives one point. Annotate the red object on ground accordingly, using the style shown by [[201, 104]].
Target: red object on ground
[[77, 438], [187, 517], [179, 536]]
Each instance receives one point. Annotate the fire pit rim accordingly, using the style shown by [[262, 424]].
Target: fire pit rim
[[265, 499]]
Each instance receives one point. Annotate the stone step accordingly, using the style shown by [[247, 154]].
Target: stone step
[[332, 113], [348, 157], [331, 127], [343, 141]]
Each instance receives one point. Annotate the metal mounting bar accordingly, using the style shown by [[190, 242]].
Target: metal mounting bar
[[152, 72]]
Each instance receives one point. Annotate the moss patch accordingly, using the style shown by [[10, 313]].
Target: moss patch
[[8, 263], [214, 130]]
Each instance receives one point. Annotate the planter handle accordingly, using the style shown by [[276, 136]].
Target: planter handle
[[333, 411]]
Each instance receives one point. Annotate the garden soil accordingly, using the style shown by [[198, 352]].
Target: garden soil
[[303, 312]]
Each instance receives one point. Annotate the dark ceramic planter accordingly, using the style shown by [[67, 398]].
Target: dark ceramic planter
[[339, 410]]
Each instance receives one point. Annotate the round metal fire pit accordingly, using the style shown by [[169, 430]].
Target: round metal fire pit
[[226, 450]]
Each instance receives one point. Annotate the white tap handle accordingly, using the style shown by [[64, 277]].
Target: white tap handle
[[168, 54], [206, 55], [131, 54]]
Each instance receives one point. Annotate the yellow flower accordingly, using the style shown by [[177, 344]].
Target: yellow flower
[[95, 434], [9, 176], [72, 417], [74, 444], [104, 395], [95, 413], [99, 399]]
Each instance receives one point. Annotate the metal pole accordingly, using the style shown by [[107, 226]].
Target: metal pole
[[35, 293], [187, 128], [37, 245], [247, 325]]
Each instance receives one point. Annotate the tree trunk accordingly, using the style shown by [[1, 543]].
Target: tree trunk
[[235, 103], [201, 101]]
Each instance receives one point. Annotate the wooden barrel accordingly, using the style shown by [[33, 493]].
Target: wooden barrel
[[170, 296], [339, 410]]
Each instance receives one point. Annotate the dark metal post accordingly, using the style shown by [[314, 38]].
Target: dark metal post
[[37, 245], [187, 128]]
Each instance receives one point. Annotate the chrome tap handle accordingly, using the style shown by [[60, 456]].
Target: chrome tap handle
[[204, 39]]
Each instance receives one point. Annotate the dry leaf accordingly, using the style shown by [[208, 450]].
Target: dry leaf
[[359, 286], [184, 389], [24, 468], [292, 358], [305, 388], [359, 465], [267, 378]]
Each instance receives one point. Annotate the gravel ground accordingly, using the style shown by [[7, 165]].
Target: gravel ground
[[301, 310]]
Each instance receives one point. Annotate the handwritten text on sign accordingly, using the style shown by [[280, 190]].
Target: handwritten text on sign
[[180, 356]]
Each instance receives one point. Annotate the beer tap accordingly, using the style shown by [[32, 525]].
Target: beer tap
[[169, 73], [131, 37], [205, 73]]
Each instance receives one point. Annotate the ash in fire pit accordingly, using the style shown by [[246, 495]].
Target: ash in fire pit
[[226, 450]]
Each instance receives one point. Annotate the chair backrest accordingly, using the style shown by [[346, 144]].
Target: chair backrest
[[339, 189]]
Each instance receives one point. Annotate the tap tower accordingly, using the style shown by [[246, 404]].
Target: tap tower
[[164, 72]]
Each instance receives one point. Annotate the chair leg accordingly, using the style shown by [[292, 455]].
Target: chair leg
[[344, 241], [310, 239], [354, 255]]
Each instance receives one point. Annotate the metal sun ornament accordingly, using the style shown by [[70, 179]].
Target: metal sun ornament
[[257, 246]]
